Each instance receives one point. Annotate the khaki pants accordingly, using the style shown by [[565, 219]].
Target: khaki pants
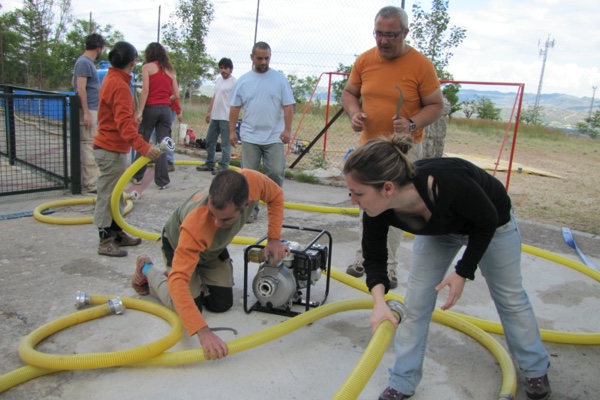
[[112, 166], [89, 169], [214, 274]]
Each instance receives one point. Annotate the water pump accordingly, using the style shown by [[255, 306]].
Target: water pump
[[278, 287]]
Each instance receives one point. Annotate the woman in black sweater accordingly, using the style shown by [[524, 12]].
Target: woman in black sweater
[[447, 203]]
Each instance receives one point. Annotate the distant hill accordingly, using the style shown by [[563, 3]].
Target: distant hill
[[559, 110]]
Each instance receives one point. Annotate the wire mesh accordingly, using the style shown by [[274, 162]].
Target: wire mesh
[[308, 38]]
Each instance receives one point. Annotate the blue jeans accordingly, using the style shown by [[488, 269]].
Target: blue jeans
[[273, 158], [215, 129], [501, 268]]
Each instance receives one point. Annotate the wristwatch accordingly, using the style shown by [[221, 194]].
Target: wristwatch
[[411, 125]]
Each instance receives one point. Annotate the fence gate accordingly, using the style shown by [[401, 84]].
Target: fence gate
[[40, 141]]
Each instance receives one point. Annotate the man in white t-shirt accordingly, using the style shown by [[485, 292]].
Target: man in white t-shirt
[[218, 117], [266, 98]]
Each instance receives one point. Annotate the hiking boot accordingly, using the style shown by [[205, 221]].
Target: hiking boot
[[356, 269], [205, 168], [139, 281], [392, 394], [171, 167], [122, 239], [393, 277], [537, 388], [251, 219], [108, 247]]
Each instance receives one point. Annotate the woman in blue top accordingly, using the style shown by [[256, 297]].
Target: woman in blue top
[[447, 203]]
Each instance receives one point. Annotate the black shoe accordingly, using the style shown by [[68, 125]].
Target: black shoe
[[537, 388], [392, 394], [204, 168]]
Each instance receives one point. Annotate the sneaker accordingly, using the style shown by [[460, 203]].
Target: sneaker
[[136, 181], [122, 239], [251, 219], [393, 277], [139, 281], [171, 167], [538, 388], [392, 394], [356, 269], [205, 168], [108, 247], [163, 187]]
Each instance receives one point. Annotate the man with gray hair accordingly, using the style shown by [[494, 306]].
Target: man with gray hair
[[400, 93]]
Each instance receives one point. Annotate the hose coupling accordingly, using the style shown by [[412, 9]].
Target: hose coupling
[[398, 309], [81, 299], [116, 306], [133, 196], [166, 146]]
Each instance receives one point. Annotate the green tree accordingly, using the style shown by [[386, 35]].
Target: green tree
[[530, 116], [433, 36], [13, 67], [450, 91], [590, 126], [486, 109], [42, 25], [339, 85], [469, 108], [185, 35], [302, 88]]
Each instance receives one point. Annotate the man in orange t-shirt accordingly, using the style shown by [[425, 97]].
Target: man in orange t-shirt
[[374, 79]]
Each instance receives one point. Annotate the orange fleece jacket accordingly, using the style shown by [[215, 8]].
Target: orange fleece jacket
[[117, 124]]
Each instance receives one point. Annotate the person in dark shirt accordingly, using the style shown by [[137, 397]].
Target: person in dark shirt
[[447, 203]]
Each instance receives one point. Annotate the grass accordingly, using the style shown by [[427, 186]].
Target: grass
[[571, 201]]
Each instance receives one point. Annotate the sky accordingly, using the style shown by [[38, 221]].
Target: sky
[[309, 37]]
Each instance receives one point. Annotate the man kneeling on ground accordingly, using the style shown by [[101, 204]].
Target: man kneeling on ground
[[194, 245]]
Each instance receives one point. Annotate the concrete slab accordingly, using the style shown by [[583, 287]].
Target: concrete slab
[[43, 265]]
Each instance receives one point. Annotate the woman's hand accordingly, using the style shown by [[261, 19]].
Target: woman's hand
[[456, 284]]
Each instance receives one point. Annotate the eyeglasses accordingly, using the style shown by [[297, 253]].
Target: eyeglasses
[[387, 35]]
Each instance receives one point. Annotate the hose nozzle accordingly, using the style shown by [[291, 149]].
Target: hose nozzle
[[81, 299], [398, 309], [133, 196], [116, 306], [166, 146]]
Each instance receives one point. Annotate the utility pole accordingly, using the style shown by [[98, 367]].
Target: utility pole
[[256, 23], [543, 52], [592, 103]]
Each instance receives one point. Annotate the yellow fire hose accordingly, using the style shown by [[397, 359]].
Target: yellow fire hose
[[43, 364], [474, 327], [37, 213]]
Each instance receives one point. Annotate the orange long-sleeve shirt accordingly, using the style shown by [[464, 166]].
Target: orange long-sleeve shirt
[[191, 231], [117, 125]]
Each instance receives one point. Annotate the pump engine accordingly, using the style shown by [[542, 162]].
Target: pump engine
[[277, 287]]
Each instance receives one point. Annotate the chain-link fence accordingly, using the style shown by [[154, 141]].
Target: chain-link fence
[[307, 38]]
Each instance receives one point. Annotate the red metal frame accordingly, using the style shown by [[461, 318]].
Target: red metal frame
[[517, 105]]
